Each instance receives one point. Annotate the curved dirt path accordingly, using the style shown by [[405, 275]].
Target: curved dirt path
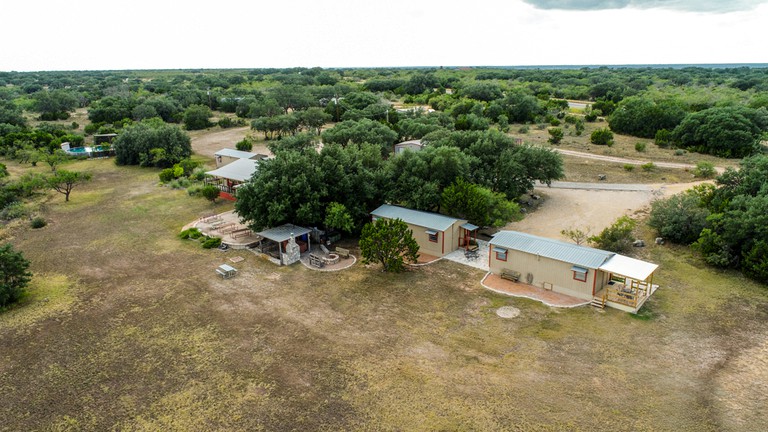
[[615, 159], [592, 206]]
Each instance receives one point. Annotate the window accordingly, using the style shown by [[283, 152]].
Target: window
[[501, 254], [579, 273], [432, 236]]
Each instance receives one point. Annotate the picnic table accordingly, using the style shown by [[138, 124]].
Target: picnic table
[[226, 271]]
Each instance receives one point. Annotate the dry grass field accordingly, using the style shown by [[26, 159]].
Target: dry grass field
[[128, 328]]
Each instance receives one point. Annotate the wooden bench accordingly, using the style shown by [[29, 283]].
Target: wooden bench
[[342, 252], [508, 274], [316, 261], [221, 273], [324, 249]]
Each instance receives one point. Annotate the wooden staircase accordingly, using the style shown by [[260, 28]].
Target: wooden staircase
[[598, 302]]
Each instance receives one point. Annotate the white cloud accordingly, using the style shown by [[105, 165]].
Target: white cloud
[[143, 34]]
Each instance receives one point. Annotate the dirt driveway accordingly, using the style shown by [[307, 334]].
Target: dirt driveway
[[207, 142], [565, 208]]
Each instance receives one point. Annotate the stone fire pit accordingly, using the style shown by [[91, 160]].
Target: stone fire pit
[[331, 259]]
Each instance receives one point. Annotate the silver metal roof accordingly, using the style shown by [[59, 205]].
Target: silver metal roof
[[235, 153], [239, 170], [284, 232], [554, 249], [429, 220]]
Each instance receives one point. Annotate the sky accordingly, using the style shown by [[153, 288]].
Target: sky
[[161, 34]]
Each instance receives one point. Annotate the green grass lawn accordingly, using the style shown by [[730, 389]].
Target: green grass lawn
[[138, 333]]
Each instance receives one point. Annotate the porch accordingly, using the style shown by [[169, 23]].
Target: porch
[[629, 284]]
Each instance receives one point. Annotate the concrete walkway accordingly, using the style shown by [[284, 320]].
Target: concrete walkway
[[480, 262], [517, 289]]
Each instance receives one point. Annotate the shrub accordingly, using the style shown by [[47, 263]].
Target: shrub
[[211, 242], [524, 129], [704, 169], [13, 211], [554, 121], [579, 127], [663, 138], [680, 218], [617, 237], [244, 145], [191, 233], [210, 192], [640, 146], [629, 167], [194, 190], [166, 175], [14, 276], [38, 222], [198, 174], [555, 135], [648, 167], [679, 152], [602, 136]]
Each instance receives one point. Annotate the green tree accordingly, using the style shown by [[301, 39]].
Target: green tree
[[389, 242], [723, 131], [210, 192], [478, 205], [337, 217], [577, 235], [617, 237], [14, 276], [134, 145], [197, 117], [363, 131], [555, 135], [10, 113], [643, 117], [602, 137], [244, 145], [53, 159], [679, 218], [313, 119], [55, 104], [64, 181], [288, 188]]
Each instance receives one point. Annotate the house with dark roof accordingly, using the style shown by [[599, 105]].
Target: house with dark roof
[[436, 234], [603, 277]]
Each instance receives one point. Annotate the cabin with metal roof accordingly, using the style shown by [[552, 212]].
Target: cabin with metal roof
[[226, 156], [602, 277], [436, 234], [412, 145], [229, 177]]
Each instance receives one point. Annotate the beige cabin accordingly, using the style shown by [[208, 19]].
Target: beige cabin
[[227, 156], [602, 277], [413, 145], [436, 234]]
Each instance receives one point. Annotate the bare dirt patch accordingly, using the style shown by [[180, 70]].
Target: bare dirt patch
[[209, 141]]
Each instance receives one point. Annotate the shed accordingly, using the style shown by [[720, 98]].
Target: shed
[[435, 233], [286, 242]]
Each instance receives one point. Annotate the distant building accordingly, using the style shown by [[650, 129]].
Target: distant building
[[227, 156], [413, 145]]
